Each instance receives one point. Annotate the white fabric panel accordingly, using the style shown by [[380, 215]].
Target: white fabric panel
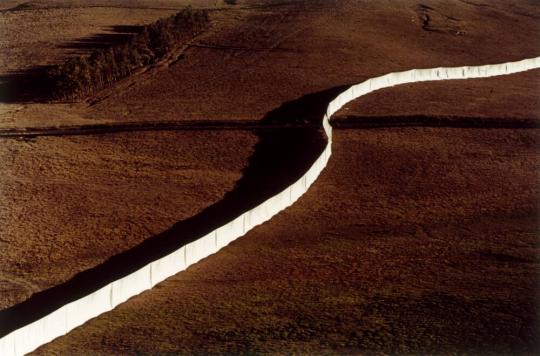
[[231, 233], [441, 73], [345, 97], [23, 336], [278, 203], [21, 341], [223, 237], [237, 227], [247, 220], [54, 324], [78, 312], [519, 66], [203, 247], [282, 199], [327, 128], [388, 80], [470, 72], [272, 206], [208, 243], [312, 174], [69, 316], [361, 89], [498, 69], [480, 72], [406, 76], [167, 266], [490, 70], [426, 74], [477, 73], [458, 73], [256, 217], [7, 344], [337, 102], [332, 108], [392, 79], [191, 253], [414, 74], [263, 213], [377, 83], [296, 190], [130, 285]]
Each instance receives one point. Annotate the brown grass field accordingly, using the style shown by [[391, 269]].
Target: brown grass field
[[419, 239]]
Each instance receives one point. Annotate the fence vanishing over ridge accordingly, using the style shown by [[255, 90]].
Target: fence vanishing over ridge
[[59, 322]]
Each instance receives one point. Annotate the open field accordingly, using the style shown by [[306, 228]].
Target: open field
[[413, 240], [305, 47], [35, 34], [401, 246], [97, 196]]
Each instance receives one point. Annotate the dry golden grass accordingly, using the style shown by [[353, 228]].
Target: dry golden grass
[[70, 203], [416, 240], [402, 246]]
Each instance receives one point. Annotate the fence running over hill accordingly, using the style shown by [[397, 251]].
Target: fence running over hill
[[71, 315]]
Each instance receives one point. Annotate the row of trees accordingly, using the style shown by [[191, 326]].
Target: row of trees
[[81, 76]]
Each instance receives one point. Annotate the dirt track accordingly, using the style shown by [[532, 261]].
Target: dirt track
[[413, 240]]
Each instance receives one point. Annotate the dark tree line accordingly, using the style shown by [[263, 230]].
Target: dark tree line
[[81, 76]]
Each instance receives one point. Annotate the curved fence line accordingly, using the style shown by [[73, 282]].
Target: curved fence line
[[71, 315]]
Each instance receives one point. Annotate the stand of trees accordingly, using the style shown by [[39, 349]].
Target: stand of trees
[[81, 76]]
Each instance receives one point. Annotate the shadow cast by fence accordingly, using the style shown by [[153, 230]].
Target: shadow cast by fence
[[308, 109], [280, 158]]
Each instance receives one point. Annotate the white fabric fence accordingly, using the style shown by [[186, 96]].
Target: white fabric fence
[[69, 316]]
